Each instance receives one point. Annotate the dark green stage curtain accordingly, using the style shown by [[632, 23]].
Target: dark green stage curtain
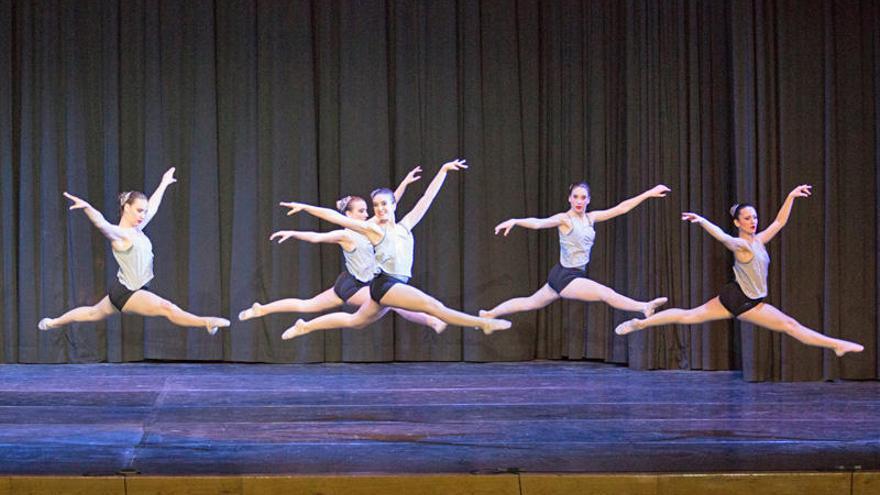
[[256, 102]]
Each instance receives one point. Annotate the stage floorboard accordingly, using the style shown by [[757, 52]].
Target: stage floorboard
[[534, 417]]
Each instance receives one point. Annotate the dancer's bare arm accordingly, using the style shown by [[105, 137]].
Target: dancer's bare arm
[[371, 230], [739, 246], [533, 223], [411, 177], [335, 237], [658, 191], [112, 232], [156, 198], [802, 191], [415, 215]]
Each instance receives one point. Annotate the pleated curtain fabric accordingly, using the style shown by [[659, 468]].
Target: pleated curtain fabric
[[256, 102]]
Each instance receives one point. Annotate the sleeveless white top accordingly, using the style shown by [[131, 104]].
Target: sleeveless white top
[[135, 263], [575, 246]]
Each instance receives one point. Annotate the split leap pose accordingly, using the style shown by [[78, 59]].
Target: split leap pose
[[394, 244], [352, 285], [744, 298], [568, 279], [134, 253]]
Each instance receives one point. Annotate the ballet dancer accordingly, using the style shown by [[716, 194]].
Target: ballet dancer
[[744, 298], [568, 279], [352, 284], [394, 244], [133, 251]]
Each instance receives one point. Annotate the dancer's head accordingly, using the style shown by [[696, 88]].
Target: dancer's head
[[353, 207], [579, 196], [745, 217], [384, 204], [132, 207]]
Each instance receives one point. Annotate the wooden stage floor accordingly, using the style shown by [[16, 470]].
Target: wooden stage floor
[[535, 417]]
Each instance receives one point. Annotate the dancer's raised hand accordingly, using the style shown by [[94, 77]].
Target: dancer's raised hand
[[168, 177], [692, 217], [294, 207], [658, 191], [457, 164], [802, 191], [505, 226], [281, 235], [77, 202]]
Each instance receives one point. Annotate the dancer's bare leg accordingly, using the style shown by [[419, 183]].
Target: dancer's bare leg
[[584, 289], [408, 297], [765, 315], [322, 302], [145, 303], [710, 311], [367, 313], [360, 297], [81, 314], [544, 296]]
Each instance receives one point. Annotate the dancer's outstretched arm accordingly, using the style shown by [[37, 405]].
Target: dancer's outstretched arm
[[334, 237], [533, 223], [658, 191], [802, 191], [371, 230], [415, 215], [411, 177], [739, 246], [113, 233], [156, 198]]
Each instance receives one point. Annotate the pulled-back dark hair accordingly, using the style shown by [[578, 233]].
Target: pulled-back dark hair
[[129, 197], [575, 185], [383, 190], [735, 209]]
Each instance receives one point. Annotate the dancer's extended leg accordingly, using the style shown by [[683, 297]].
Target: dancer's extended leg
[[145, 303], [765, 315], [81, 314], [322, 302], [710, 311]]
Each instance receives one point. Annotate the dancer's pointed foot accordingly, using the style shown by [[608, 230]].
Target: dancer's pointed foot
[[843, 347], [486, 314], [212, 324], [492, 325], [299, 328], [45, 324], [627, 327], [653, 305], [256, 311], [437, 324]]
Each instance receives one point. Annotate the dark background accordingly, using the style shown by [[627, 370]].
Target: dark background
[[257, 102]]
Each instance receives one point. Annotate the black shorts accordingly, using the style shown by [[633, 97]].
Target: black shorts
[[735, 300], [561, 276], [382, 284], [120, 294], [346, 286]]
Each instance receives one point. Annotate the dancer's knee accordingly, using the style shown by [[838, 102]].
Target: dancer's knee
[[168, 308]]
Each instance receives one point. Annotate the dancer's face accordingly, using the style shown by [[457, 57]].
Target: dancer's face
[[357, 210], [747, 220], [384, 207], [136, 211], [579, 199]]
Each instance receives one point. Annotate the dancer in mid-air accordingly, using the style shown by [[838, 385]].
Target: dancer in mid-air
[[394, 244], [744, 298], [129, 293], [568, 279], [352, 285]]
